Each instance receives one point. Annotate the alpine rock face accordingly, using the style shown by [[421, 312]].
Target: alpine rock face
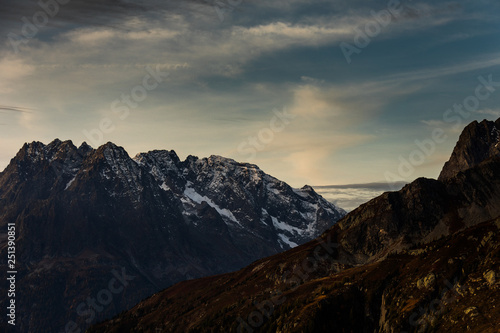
[[422, 259], [477, 142], [97, 231]]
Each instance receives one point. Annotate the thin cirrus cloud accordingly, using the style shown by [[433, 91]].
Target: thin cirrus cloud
[[88, 13], [7, 108], [227, 77], [243, 43]]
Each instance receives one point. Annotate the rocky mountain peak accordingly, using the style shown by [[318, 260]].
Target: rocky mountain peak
[[308, 190], [84, 146], [113, 156], [157, 160], [110, 148], [478, 142], [161, 219], [37, 151], [219, 159], [33, 149], [379, 269]]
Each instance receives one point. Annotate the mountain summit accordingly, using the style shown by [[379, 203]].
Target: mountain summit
[[478, 142], [84, 214], [422, 259]]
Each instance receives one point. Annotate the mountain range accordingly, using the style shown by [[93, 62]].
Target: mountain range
[[422, 259], [97, 231]]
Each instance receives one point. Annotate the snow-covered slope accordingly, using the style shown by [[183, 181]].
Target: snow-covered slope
[[247, 199]]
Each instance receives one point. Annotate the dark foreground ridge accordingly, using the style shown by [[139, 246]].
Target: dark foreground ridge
[[97, 231], [423, 259]]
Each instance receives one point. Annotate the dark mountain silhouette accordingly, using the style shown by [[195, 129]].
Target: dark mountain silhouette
[[97, 231], [423, 259]]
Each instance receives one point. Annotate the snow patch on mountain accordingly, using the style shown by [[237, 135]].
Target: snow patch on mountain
[[191, 193], [252, 204], [287, 241], [69, 183], [286, 227]]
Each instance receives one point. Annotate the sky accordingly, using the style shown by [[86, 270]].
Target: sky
[[313, 92]]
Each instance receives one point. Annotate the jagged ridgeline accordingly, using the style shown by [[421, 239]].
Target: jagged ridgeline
[[423, 259], [97, 231]]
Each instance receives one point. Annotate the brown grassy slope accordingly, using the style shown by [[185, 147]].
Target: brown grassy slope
[[440, 287]]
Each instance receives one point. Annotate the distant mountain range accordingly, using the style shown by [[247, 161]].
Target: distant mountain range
[[422, 259], [97, 231]]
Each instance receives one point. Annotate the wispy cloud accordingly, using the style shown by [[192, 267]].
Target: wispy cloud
[[489, 112], [91, 13], [490, 60], [6, 108], [265, 55]]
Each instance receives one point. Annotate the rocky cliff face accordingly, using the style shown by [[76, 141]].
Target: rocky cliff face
[[422, 211], [477, 142], [467, 193], [423, 259], [85, 216]]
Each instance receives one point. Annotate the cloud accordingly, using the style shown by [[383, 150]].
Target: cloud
[[7, 108], [487, 61], [489, 112], [90, 12], [325, 123], [176, 40], [349, 197], [155, 33], [377, 186], [451, 128], [233, 72], [14, 72]]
